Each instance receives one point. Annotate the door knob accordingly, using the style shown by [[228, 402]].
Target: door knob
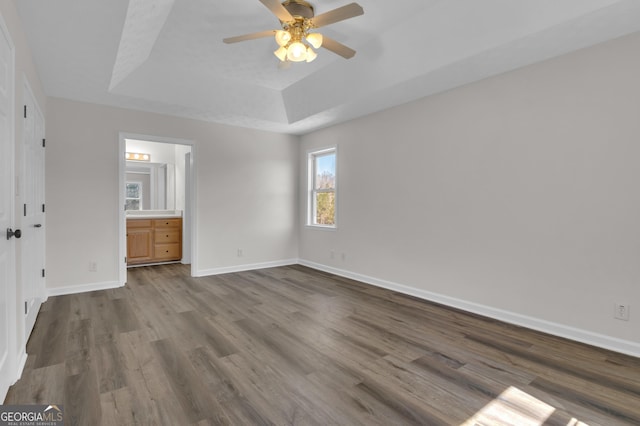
[[11, 233]]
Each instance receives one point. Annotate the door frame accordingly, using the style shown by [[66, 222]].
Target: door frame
[[189, 214]]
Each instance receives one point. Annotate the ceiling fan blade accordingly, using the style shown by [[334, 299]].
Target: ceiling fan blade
[[337, 15], [251, 36], [338, 48], [278, 9]]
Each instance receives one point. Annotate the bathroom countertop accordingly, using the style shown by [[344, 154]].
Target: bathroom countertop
[[153, 214]]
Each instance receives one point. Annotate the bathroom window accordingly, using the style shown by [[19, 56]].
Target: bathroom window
[[322, 188], [133, 197]]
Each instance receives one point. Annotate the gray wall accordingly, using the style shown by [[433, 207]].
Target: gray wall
[[516, 196], [246, 191]]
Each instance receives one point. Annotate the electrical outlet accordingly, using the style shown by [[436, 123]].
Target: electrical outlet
[[93, 266], [240, 252], [343, 256], [621, 311], [332, 254]]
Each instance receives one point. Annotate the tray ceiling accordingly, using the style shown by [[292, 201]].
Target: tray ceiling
[[167, 56]]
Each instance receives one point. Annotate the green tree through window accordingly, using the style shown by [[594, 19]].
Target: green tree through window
[[133, 196], [322, 185]]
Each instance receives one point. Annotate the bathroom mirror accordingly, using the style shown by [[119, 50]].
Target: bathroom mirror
[[149, 186]]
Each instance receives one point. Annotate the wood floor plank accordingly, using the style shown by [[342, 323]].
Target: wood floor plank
[[110, 367], [151, 397], [116, 408], [295, 346], [259, 382], [43, 385], [186, 384], [82, 399], [52, 333], [344, 399], [80, 347]]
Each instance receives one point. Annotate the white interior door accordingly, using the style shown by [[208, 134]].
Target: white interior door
[[33, 233], [7, 194]]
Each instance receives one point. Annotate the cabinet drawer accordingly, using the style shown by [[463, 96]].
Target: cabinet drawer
[[167, 223], [138, 223], [167, 251], [169, 235]]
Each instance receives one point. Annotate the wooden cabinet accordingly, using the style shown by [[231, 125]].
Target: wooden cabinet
[[139, 241], [139, 246], [154, 240]]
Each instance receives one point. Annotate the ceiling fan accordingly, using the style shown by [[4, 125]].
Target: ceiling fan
[[296, 39]]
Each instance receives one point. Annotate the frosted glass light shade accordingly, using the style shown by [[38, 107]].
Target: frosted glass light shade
[[281, 53], [315, 39], [311, 55], [297, 52], [283, 37]]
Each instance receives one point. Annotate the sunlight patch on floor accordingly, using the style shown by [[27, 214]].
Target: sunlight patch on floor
[[576, 422], [515, 407]]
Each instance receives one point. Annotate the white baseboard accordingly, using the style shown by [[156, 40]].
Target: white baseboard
[[561, 330], [82, 288], [245, 267]]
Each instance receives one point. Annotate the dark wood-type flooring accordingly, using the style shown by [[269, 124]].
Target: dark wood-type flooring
[[294, 346]]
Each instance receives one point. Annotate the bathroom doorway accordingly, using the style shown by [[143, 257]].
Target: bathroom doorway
[[157, 197]]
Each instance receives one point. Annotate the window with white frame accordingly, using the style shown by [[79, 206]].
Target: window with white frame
[[322, 188], [133, 197]]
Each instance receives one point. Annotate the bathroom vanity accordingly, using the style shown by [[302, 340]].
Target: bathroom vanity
[[153, 238]]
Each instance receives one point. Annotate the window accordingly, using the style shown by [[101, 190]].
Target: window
[[322, 188], [133, 196]]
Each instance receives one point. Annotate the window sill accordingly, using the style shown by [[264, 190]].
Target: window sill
[[322, 227]]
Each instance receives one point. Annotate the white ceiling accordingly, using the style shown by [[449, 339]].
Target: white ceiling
[[167, 56]]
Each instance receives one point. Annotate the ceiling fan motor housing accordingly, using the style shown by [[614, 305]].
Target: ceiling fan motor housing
[[299, 8]]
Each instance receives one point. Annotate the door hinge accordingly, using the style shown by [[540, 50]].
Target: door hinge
[[43, 273], [25, 308], [43, 208], [25, 209], [44, 142], [25, 111], [125, 259]]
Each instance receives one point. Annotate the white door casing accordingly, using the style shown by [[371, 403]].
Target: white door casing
[[189, 213], [8, 321], [33, 222], [186, 225]]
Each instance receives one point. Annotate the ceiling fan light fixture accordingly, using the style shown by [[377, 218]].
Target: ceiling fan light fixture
[[281, 53], [297, 52], [315, 39], [283, 37], [295, 37], [311, 55]]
